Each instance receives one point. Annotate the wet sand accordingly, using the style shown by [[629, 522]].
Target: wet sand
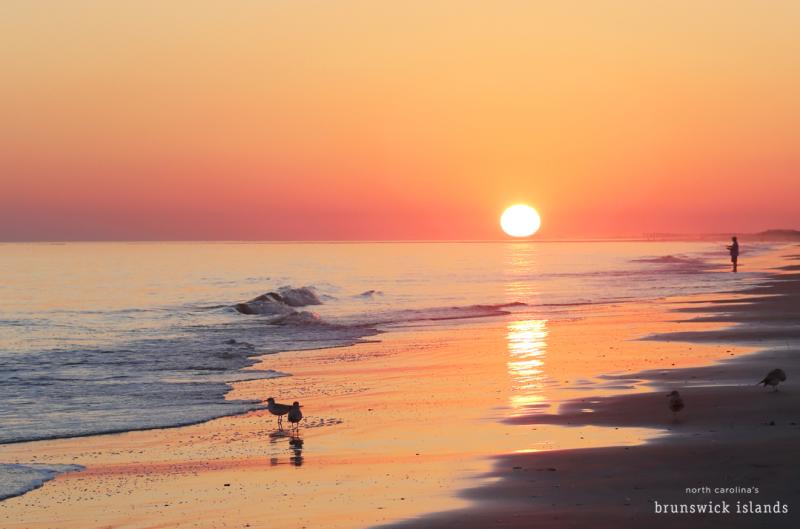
[[393, 429], [732, 434], [396, 428]]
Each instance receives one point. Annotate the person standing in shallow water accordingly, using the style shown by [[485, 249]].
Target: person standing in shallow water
[[733, 248]]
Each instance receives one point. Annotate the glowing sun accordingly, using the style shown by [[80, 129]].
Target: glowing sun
[[520, 221]]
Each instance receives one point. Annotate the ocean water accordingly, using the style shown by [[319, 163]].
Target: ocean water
[[110, 337], [16, 480]]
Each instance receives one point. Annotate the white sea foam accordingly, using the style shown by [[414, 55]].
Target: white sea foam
[[16, 479], [280, 303], [678, 263], [299, 297], [440, 313]]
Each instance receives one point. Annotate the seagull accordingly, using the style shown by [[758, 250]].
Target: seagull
[[675, 403], [278, 409], [295, 415], [773, 378]]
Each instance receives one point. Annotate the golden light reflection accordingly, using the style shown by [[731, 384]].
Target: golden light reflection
[[527, 342]]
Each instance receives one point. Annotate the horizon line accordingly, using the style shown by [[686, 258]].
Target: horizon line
[[655, 237]]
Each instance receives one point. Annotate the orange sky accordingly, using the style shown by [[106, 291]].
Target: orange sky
[[396, 120]]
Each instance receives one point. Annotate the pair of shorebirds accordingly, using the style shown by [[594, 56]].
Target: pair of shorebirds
[[773, 378], [292, 412]]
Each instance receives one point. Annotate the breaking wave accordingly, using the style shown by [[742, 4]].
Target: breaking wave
[[277, 311], [280, 302]]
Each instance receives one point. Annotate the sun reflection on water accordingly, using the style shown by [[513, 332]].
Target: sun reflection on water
[[527, 342]]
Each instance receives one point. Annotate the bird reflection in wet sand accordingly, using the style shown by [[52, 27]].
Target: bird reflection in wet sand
[[295, 446]]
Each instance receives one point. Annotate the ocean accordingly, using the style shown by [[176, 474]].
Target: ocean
[[110, 337]]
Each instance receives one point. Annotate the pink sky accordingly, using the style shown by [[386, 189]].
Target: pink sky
[[380, 121]]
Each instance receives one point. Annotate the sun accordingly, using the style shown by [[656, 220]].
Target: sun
[[520, 220]]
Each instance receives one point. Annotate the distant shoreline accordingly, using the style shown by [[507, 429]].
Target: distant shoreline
[[778, 235]]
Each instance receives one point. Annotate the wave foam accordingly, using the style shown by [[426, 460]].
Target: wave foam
[[677, 263], [16, 479], [446, 313], [279, 303], [369, 294], [299, 318], [299, 297]]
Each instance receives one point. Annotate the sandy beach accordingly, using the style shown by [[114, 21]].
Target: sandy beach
[[735, 443], [450, 425]]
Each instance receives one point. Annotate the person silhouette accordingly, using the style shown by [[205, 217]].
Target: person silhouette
[[733, 248]]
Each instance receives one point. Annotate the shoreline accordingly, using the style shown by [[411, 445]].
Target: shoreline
[[366, 443], [732, 435], [762, 236]]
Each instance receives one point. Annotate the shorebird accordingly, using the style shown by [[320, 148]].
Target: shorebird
[[773, 378], [295, 415], [278, 409], [675, 403]]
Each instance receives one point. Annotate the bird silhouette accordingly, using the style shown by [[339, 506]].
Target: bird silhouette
[[675, 403], [773, 378], [278, 409], [295, 415]]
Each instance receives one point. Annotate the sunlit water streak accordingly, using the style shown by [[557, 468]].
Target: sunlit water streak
[[527, 343]]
